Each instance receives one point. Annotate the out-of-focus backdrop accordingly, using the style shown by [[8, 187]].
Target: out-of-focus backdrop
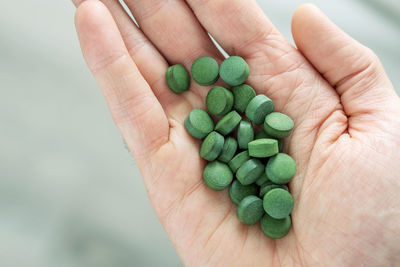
[[70, 193]]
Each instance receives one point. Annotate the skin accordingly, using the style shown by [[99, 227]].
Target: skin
[[346, 140]]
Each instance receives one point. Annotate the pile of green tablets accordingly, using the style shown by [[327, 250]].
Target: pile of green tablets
[[251, 164]]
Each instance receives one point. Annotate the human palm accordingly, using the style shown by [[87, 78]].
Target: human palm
[[345, 142]]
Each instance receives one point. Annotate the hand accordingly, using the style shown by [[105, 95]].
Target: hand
[[346, 141]]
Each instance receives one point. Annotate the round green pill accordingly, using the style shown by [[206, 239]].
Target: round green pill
[[245, 134], [205, 71], [228, 123], [258, 108], [212, 146], [237, 191], [262, 134], [228, 150], [234, 70], [265, 188], [278, 203], [250, 210], [178, 78], [242, 94], [278, 125], [219, 100], [217, 175], [281, 168], [198, 123], [250, 171], [275, 228], [238, 160], [262, 148]]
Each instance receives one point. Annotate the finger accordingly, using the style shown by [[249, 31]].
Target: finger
[[149, 61], [236, 25], [133, 105], [173, 29], [351, 68]]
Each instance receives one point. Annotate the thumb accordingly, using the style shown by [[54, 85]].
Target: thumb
[[351, 68]]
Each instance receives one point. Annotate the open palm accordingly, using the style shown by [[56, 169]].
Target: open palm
[[346, 139]]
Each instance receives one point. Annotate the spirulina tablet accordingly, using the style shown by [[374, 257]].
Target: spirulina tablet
[[275, 228], [262, 148], [219, 100], [205, 71], [245, 134], [228, 150], [234, 70], [265, 188], [262, 134], [249, 172], [258, 108], [242, 94], [198, 123], [212, 146], [228, 123], [238, 160], [217, 175], [278, 203], [278, 125], [237, 191], [250, 210], [281, 168], [178, 79]]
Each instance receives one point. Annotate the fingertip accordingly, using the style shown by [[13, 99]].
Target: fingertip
[[302, 12], [88, 23], [87, 10], [303, 18], [305, 10], [100, 39]]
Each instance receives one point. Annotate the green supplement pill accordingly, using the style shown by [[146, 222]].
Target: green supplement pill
[[278, 203], [262, 179], [219, 100], [228, 123], [281, 168], [178, 78], [250, 210], [228, 150], [275, 228], [245, 134], [237, 191], [278, 125], [212, 146], [265, 188], [258, 108], [238, 160], [217, 175], [262, 148], [198, 123], [234, 70], [262, 134], [250, 171], [242, 94], [205, 71]]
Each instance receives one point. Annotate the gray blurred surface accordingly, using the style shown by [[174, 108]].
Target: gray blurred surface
[[70, 193]]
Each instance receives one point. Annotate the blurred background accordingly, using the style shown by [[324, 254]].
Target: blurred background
[[70, 193]]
